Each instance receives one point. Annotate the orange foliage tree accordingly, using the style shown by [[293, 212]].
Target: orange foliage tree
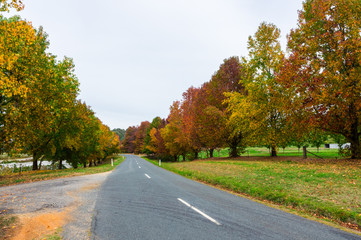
[[173, 134], [140, 136], [189, 128], [322, 73]]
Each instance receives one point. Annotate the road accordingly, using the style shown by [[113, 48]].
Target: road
[[142, 201]]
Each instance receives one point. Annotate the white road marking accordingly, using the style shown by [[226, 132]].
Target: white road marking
[[139, 166], [199, 211], [147, 176]]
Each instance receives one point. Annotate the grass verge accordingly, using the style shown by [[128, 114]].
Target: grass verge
[[6, 225], [32, 176], [55, 236], [327, 189]]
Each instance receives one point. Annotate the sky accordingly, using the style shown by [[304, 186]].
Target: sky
[[133, 58]]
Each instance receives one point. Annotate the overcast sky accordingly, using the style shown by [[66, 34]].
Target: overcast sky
[[133, 58]]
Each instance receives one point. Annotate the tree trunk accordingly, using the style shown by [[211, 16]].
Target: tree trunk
[[234, 151], [304, 152], [211, 152], [35, 161], [90, 163], [234, 146], [60, 164], [354, 136], [355, 141], [355, 147], [184, 157], [273, 151], [195, 155], [84, 164]]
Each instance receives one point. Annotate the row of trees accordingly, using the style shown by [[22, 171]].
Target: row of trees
[[39, 111], [272, 98]]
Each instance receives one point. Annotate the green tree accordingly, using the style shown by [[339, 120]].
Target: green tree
[[120, 132], [317, 138]]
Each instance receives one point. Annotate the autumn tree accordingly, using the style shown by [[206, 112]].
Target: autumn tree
[[228, 79], [37, 90], [5, 5], [210, 121], [322, 73], [260, 109], [128, 143], [39, 113], [18, 49], [156, 122], [189, 128], [173, 135], [156, 143], [140, 136], [67, 139], [43, 111]]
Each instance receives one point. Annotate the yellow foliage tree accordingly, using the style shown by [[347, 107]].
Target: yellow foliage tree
[[5, 5], [258, 111]]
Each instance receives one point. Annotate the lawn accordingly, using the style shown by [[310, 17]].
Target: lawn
[[32, 176], [289, 151], [326, 188]]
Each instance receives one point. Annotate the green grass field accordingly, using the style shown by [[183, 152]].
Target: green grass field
[[326, 188], [289, 151]]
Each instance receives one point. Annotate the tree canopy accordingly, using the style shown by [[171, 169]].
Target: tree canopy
[[39, 111]]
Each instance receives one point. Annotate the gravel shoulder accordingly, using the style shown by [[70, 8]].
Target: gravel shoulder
[[43, 207]]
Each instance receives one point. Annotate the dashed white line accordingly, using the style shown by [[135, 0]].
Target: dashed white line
[[199, 211], [147, 176], [139, 166]]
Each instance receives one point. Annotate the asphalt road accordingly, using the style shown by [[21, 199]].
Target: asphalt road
[[142, 201]]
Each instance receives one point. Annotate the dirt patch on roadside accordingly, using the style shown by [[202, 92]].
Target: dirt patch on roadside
[[89, 187], [37, 225], [34, 226]]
